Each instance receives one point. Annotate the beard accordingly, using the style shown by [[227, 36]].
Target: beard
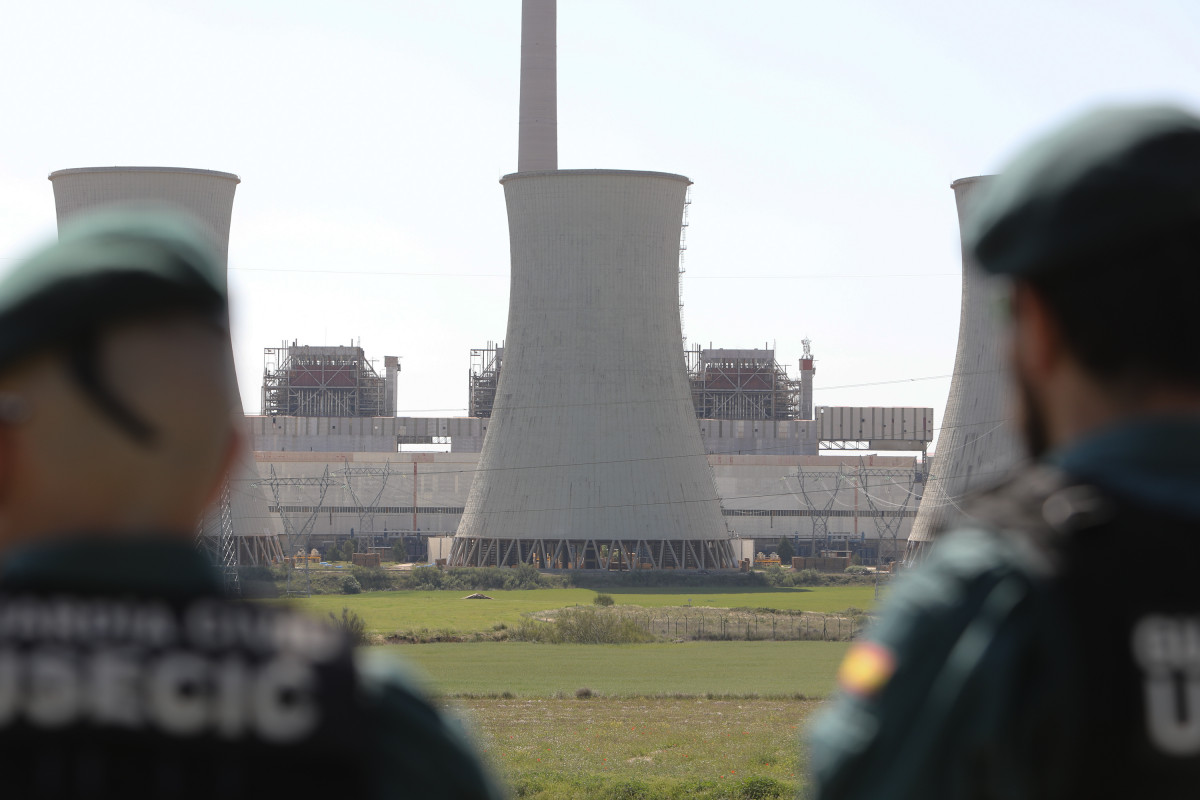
[[1031, 418]]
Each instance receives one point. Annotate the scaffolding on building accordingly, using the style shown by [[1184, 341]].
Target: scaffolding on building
[[742, 384], [308, 381], [483, 379]]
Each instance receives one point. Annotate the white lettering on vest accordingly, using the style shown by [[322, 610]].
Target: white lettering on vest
[[1168, 651]]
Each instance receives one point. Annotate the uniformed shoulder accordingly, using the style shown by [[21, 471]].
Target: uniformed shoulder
[[921, 699], [964, 565], [427, 750]]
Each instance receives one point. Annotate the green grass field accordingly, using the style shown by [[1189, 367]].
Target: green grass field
[[387, 612], [703, 720], [691, 668], [552, 749]]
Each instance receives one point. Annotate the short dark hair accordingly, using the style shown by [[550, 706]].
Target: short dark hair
[[1130, 315]]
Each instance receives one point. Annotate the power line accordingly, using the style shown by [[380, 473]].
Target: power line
[[404, 274]]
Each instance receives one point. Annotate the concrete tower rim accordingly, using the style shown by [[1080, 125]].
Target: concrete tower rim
[[624, 173], [170, 170], [970, 179]]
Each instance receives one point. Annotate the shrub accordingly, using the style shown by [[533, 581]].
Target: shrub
[[630, 790], [856, 569], [762, 789], [775, 576], [352, 625], [582, 626], [786, 551], [372, 579], [399, 553], [584, 693], [524, 576], [808, 577], [603, 600], [425, 578], [350, 585]]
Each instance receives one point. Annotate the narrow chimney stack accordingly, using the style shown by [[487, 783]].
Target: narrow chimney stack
[[537, 146]]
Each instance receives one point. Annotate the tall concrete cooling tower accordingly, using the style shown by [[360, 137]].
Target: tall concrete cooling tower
[[593, 458], [208, 197], [977, 444]]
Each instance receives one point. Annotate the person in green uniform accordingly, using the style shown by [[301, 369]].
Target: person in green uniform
[[124, 671], [1049, 646]]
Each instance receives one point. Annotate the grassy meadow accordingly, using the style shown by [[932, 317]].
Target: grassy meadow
[[388, 612], [710, 720], [524, 669], [548, 748]]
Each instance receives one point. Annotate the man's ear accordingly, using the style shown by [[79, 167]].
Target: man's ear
[[8, 457], [233, 448], [1037, 338]]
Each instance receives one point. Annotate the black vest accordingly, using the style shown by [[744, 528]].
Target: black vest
[[140, 698], [1124, 574]]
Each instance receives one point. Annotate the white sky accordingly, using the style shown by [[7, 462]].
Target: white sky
[[822, 138]]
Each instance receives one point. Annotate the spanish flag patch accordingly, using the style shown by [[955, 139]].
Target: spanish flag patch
[[866, 669]]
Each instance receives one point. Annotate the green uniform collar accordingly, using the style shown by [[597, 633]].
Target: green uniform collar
[[141, 566], [1150, 461]]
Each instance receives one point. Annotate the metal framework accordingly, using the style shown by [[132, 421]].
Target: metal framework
[[887, 520], [227, 548], [605, 554], [741, 384], [483, 379], [294, 534], [367, 512], [304, 381], [225, 554], [229, 551], [820, 514]]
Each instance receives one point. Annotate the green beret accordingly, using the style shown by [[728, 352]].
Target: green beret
[[108, 266], [1110, 178]]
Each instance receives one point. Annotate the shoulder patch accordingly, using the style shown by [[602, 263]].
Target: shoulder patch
[[867, 668]]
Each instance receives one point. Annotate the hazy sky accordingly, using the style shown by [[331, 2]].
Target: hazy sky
[[822, 138]]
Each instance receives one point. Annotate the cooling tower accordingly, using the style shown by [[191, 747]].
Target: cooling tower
[[977, 444], [593, 458], [207, 196]]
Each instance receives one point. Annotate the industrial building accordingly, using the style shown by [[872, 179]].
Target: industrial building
[[306, 381], [652, 456], [862, 504], [342, 477], [977, 445], [747, 384], [725, 383]]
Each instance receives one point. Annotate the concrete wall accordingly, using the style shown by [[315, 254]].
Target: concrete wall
[[759, 437], [380, 434], [360, 434], [760, 494], [976, 445]]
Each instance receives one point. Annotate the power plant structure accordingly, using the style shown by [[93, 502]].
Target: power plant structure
[[594, 440], [581, 470], [614, 467], [307, 381], [239, 530], [746, 384], [977, 445]]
